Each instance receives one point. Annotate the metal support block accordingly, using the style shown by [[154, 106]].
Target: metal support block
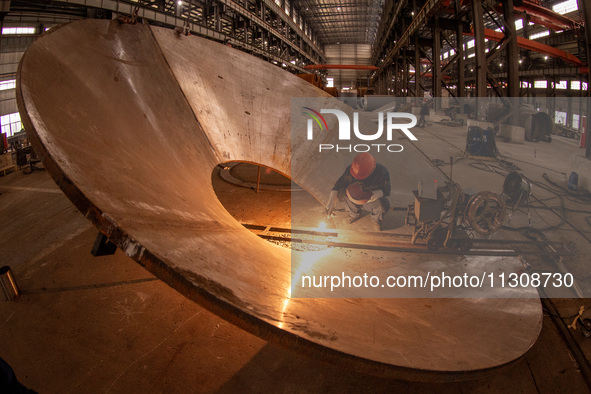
[[102, 246]]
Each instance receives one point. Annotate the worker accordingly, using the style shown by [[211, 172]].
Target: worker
[[424, 112], [364, 186]]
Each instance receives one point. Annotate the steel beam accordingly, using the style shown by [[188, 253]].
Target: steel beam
[[428, 10], [461, 85], [480, 58], [163, 17], [417, 65], [179, 103], [533, 46], [437, 81], [512, 49], [399, 5], [340, 67], [587, 17], [543, 16]]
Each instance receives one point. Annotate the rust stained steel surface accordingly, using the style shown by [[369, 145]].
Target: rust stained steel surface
[[130, 121]]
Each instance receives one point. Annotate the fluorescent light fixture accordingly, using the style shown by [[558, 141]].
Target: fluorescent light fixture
[[18, 30], [565, 7], [539, 35]]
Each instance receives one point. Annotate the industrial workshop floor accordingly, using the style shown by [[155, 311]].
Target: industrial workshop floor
[[88, 324]]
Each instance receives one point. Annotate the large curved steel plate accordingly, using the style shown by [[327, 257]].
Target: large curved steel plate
[[130, 121]]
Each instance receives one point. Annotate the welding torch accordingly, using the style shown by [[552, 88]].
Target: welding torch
[[332, 199]]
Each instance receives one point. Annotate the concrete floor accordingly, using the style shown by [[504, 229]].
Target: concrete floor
[[104, 324]]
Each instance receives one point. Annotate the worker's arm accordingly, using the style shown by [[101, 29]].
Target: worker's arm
[[376, 194], [339, 187], [344, 181]]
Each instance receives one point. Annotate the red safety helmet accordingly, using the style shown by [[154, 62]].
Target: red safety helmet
[[363, 165]]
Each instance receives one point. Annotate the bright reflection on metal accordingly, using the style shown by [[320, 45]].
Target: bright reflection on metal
[[307, 262]]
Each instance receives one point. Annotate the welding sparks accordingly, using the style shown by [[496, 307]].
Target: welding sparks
[[322, 226]]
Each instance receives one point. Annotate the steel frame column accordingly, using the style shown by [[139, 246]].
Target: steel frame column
[[512, 50], [404, 75], [587, 18], [437, 62], [4, 9], [418, 90], [461, 89], [397, 89], [480, 58]]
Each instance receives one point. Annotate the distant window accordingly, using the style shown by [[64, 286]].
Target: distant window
[[471, 55], [518, 25], [584, 85], [575, 85], [11, 123], [525, 84], [540, 84], [562, 85], [5, 85], [576, 121], [329, 82], [539, 35], [18, 30], [560, 117], [565, 7], [471, 44]]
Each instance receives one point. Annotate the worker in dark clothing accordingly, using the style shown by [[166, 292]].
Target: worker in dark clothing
[[364, 186], [424, 112]]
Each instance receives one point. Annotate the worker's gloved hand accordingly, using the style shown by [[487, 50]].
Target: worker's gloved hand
[[332, 200], [376, 194]]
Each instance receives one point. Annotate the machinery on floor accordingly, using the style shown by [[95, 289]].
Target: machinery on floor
[[450, 219]]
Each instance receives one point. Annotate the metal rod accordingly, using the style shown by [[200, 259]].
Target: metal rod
[[8, 284], [258, 177]]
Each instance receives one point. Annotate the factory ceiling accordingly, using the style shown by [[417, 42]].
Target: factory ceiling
[[342, 21]]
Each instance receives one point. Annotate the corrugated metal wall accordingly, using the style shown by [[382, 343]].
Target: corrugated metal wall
[[348, 54]]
